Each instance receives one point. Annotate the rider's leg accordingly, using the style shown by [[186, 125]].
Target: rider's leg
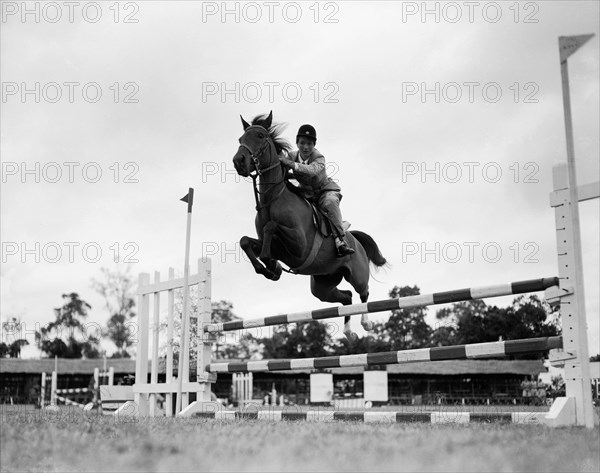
[[329, 202]]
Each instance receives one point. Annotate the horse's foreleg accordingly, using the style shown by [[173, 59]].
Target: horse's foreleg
[[251, 246], [267, 238], [265, 253]]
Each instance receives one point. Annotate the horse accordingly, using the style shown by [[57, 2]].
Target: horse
[[286, 229]]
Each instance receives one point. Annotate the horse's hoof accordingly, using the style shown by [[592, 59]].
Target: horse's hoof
[[368, 325], [351, 336], [277, 273], [266, 273]]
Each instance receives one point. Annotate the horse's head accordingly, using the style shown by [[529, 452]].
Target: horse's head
[[259, 146]]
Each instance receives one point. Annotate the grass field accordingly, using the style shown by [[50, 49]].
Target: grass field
[[36, 443]]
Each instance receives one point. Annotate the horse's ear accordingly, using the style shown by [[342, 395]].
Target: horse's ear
[[269, 120], [244, 123]]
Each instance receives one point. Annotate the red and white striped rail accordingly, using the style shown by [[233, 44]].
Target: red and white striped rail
[[519, 287], [456, 352]]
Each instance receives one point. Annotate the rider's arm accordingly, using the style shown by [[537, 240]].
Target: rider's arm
[[312, 169]]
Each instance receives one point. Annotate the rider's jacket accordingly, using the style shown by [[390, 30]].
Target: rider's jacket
[[312, 175]]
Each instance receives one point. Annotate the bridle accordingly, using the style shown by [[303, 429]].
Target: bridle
[[259, 171]]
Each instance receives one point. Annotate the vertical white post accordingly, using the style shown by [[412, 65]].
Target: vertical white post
[[43, 391], [250, 392], [97, 378], [170, 317], [204, 348], [205, 339], [111, 376], [141, 362], [155, 331], [54, 387], [572, 304], [575, 330]]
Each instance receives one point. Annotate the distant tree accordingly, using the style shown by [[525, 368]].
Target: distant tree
[[117, 290], [76, 342], [228, 345], [11, 344], [371, 343], [406, 328], [304, 340], [557, 387], [14, 350], [462, 322], [475, 322], [232, 345]]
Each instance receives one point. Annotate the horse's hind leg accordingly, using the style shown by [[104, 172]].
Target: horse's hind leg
[[359, 279], [325, 289], [364, 319]]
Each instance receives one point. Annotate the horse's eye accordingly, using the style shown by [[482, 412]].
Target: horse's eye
[[261, 136]]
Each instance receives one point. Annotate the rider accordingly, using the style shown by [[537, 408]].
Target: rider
[[308, 165]]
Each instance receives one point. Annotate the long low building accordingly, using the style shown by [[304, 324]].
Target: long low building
[[419, 382]]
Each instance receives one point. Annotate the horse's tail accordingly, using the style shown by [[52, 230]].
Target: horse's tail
[[370, 247]]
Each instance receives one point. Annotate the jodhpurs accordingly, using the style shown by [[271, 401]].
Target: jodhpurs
[[329, 203]]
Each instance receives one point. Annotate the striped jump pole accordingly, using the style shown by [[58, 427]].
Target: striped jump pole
[[519, 287], [456, 352], [387, 417]]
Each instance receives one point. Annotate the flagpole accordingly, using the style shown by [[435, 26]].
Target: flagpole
[[189, 198]]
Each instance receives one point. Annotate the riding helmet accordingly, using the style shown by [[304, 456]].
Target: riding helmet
[[307, 131]]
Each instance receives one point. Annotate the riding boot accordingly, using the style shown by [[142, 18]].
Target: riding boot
[[342, 248]]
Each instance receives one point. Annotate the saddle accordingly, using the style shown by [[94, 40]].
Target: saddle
[[320, 220]]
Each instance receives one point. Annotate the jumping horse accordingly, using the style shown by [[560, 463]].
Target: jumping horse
[[287, 231]]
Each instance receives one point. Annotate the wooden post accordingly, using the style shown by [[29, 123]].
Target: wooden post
[[572, 302], [570, 260], [43, 391], [170, 317], [141, 361], [53, 388], [155, 332], [204, 349]]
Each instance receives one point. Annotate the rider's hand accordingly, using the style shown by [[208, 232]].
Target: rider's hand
[[287, 162]]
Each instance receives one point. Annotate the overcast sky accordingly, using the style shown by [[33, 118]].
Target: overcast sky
[[440, 121]]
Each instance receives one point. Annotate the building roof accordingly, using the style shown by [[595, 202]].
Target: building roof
[[65, 366], [443, 368]]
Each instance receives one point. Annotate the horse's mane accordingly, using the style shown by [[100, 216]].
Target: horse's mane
[[275, 131]]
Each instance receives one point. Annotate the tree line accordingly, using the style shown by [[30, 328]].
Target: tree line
[[69, 336]]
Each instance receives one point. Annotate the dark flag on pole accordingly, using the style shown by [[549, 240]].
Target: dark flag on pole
[[569, 44], [189, 198]]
